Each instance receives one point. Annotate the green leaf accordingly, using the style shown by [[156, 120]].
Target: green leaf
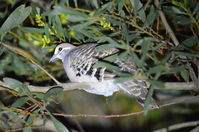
[[158, 46], [156, 69], [58, 27], [156, 83], [177, 11], [105, 64], [81, 26], [145, 43], [175, 69], [58, 125], [182, 20], [104, 8], [59, 10], [52, 92], [27, 129], [76, 4], [19, 102], [25, 90], [1, 104], [33, 30], [76, 19], [151, 17], [105, 47], [121, 79], [185, 75], [138, 9], [186, 54], [12, 83], [140, 63], [148, 99], [190, 42], [40, 95], [196, 10], [15, 18]]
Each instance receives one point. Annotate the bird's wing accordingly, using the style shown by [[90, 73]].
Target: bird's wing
[[138, 89], [85, 56]]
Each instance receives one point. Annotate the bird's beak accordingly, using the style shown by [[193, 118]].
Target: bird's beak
[[53, 58]]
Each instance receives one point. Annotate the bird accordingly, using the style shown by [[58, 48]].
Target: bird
[[79, 64]]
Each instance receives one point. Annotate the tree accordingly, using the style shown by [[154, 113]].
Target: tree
[[160, 37]]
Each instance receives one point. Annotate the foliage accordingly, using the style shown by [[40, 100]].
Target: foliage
[[33, 29]]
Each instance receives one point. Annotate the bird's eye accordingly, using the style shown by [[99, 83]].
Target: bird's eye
[[60, 48]]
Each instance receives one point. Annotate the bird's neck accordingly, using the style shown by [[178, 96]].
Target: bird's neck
[[64, 56]]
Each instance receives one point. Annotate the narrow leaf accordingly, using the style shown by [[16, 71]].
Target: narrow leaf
[[58, 125], [19, 102], [15, 18]]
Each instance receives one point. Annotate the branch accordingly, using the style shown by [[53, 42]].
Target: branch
[[79, 86], [178, 126], [128, 114], [181, 100], [165, 23]]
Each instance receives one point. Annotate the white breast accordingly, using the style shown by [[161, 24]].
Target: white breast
[[105, 88]]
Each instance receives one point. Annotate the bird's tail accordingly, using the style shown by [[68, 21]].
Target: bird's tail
[[138, 89]]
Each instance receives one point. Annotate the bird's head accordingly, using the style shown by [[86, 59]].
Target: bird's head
[[61, 51]]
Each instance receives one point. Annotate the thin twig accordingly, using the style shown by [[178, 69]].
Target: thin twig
[[178, 126], [98, 115], [165, 23], [79, 86], [196, 129], [30, 58], [123, 115]]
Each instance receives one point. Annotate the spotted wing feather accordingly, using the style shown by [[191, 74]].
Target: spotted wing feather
[[85, 56]]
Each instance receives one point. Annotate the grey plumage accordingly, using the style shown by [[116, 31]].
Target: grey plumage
[[78, 63]]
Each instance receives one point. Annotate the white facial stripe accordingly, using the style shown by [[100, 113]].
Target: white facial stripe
[[58, 52]]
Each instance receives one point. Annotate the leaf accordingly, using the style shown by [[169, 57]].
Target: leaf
[[15, 18], [186, 54], [58, 125], [196, 10], [156, 69], [75, 18], [185, 75], [20, 52], [19, 102], [33, 30], [175, 69], [58, 27], [12, 83], [148, 99], [145, 43], [81, 26], [59, 10], [190, 42], [138, 9], [104, 47], [137, 60], [182, 20], [25, 90], [105, 64], [1, 104], [156, 83], [158, 46], [52, 92], [122, 79], [103, 9], [27, 129], [177, 11], [151, 17]]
